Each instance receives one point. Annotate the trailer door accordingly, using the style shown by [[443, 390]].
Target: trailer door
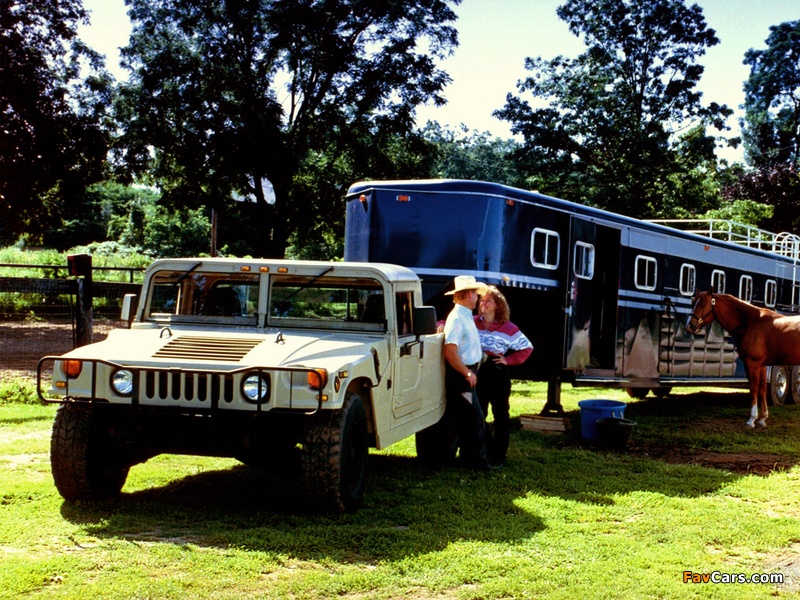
[[593, 276]]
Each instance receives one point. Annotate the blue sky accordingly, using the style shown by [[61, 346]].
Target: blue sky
[[497, 35]]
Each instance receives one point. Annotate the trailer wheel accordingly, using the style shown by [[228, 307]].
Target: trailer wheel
[[662, 392], [795, 384], [779, 387], [334, 458], [86, 462], [437, 445], [637, 393]]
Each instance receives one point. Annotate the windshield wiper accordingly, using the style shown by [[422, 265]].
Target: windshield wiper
[[187, 273], [307, 283]]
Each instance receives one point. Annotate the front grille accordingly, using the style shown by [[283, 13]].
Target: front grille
[[207, 348], [186, 386]]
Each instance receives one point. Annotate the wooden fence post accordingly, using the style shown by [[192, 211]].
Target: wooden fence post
[[80, 266]]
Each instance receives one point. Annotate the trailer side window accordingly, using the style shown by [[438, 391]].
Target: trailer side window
[[771, 293], [718, 281], [545, 246], [646, 271], [583, 260], [687, 279], [746, 288]]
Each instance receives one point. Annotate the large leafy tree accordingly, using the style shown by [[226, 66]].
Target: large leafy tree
[[610, 127], [227, 95], [771, 127], [53, 94]]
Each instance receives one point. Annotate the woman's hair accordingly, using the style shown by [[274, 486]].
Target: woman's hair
[[502, 313]]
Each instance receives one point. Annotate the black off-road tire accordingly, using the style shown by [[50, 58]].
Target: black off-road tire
[[779, 384], [334, 458], [437, 445], [86, 462]]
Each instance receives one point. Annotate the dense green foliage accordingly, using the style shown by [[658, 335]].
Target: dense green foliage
[[284, 104], [202, 118], [608, 135], [771, 127], [52, 140]]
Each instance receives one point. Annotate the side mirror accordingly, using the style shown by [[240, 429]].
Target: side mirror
[[130, 302], [424, 320]]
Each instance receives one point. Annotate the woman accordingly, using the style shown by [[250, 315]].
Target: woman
[[504, 345]]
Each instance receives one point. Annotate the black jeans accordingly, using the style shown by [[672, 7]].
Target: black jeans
[[494, 388], [471, 421]]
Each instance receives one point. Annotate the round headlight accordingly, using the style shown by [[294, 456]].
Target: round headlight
[[255, 387], [122, 382]]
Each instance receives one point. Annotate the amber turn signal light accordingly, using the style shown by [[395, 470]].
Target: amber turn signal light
[[317, 378]]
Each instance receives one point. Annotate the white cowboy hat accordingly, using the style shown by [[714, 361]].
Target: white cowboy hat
[[466, 282]]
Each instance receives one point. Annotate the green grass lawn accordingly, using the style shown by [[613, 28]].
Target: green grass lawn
[[565, 519]]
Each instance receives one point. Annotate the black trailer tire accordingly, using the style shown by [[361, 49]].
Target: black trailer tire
[[779, 387], [86, 462], [662, 392], [334, 458], [437, 445], [637, 393], [795, 384]]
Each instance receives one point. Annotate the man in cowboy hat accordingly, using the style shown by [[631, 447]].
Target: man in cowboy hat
[[462, 353]]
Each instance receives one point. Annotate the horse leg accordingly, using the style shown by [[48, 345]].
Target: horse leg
[[763, 411], [755, 375]]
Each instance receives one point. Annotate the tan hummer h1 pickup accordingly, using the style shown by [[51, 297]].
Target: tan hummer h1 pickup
[[260, 360]]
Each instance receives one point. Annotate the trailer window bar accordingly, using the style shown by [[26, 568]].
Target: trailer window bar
[[583, 260], [545, 248], [746, 288], [718, 281], [771, 293], [645, 273], [688, 279]]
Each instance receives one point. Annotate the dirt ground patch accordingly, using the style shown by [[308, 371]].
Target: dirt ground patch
[[740, 463], [23, 343]]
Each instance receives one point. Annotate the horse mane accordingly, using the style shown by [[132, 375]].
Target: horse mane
[[748, 312]]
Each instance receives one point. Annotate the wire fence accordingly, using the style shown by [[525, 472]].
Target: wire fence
[[45, 326], [39, 315]]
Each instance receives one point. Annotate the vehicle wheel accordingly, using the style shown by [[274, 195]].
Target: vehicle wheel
[[795, 384], [778, 384], [637, 393], [86, 462], [437, 445], [662, 392], [334, 458]]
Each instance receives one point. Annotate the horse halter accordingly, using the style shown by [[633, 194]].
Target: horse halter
[[701, 320]]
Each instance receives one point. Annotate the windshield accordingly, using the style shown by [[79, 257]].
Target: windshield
[[328, 301], [204, 296]]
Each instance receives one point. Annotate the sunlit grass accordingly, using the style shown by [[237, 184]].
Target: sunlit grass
[[565, 519]]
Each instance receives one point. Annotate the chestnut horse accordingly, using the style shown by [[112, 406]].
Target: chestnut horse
[[762, 337]]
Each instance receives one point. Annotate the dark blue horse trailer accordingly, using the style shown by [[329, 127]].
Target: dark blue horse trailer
[[602, 297]]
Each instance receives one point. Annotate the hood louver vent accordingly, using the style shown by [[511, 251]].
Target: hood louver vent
[[205, 348]]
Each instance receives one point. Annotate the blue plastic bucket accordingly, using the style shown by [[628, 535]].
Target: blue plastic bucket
[[591, 410]]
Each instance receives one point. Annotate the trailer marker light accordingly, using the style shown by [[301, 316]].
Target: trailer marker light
[[283, 269], [264, 269], [245, 268], [509, 202], [403, 198], [706, 247]]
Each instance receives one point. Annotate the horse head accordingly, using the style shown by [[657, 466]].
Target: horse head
[[702, 310]]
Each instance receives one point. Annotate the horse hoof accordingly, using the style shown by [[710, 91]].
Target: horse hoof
[[749, 425], [761, 423]]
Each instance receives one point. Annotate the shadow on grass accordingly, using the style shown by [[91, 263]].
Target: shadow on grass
[[408, 510], [706, 429]]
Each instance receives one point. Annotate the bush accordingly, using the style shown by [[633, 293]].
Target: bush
[[18, 391]]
